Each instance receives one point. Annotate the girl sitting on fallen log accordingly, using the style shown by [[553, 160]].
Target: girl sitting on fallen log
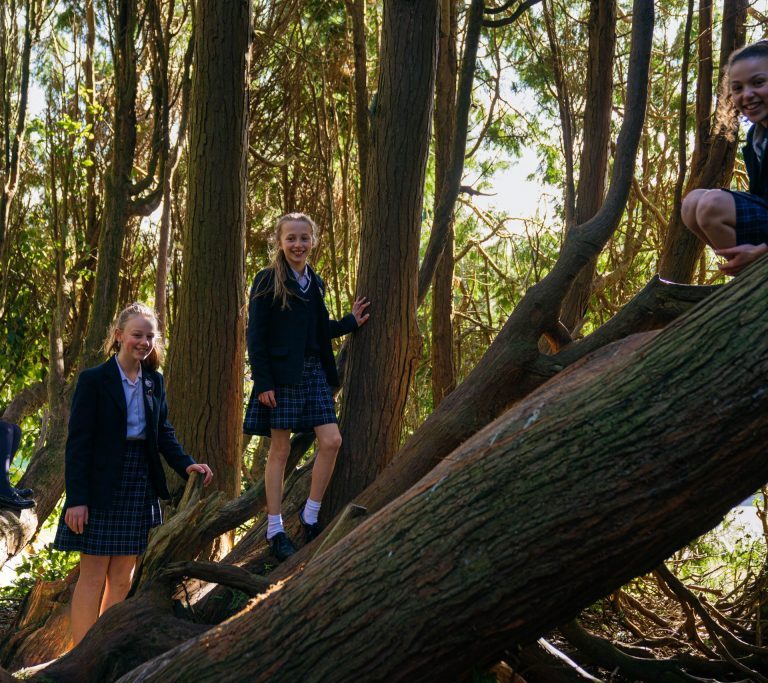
[[292, 366], [118, 428], [734, 223]]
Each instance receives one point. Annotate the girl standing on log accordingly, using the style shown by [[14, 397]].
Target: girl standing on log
[[733, 223], [118, 428], [292, 366]]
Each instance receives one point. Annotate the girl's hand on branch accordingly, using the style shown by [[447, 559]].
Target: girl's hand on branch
[[202, 468], [76, 518], [267, 398], [740, 256], [358, 310]]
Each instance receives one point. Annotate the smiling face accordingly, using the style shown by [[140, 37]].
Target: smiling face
[[749, 87], [296, 243], [137, 339]]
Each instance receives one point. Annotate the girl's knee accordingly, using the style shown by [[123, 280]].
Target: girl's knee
[[711, 203], [329, 442], [688, 208], [278, 454]]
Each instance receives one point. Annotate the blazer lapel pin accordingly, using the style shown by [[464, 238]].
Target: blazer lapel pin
[[148, 385]]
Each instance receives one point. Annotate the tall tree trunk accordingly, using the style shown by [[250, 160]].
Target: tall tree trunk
[[715, 147], [377, 383], [593, 164], [443, 367], [12, 135], [206, 360], [356, 11], [117, 184], [592, 480]]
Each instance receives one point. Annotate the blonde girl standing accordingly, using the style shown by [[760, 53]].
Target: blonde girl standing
[[292, 366], [118, 428]]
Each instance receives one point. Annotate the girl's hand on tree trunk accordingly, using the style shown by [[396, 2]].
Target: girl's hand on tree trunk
[[267, 398], [76, 518], [358, 310]]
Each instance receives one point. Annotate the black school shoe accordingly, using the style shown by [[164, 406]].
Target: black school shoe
[[311, 531], [15, 501], [281, 546], [24, 493]]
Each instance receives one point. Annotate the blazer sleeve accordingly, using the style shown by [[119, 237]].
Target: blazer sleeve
[[167, 443], [259, 308], [79, 449], [338, 328], [344, 326]]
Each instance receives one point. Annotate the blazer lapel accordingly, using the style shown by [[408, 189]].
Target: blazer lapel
[[149, 387], [113, 385]]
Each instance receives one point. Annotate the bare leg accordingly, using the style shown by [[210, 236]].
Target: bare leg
[[87, 595], [688, 213], [716, 217], [279, 449], [328, 444], [119, 576]]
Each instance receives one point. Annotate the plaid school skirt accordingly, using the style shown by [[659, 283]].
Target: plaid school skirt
[[300, 407], [751, 218], [122, 529]]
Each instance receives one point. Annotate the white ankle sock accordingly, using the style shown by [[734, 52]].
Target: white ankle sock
[[274, 525], [311, 511]]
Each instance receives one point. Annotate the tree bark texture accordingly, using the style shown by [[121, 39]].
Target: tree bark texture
[[117, 184], [592, 480], [377, 383], [443, 366], [714, 148], [356, 11], [593, 164], [205, 365]]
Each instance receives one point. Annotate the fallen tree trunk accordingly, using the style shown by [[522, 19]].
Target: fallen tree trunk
[[579, 488]]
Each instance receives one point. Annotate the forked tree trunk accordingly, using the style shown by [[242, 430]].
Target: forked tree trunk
[[377, 383], [205, 368], [592, 480]]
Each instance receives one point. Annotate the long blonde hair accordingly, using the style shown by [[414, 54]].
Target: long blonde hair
[[111, 345], [278, 264]]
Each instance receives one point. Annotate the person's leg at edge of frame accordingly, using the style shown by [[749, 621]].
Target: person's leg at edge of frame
[[87, 595]]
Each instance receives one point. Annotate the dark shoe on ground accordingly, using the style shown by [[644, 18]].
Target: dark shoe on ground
[[24, 493], [311, 531], [15, 501], [281, 546]]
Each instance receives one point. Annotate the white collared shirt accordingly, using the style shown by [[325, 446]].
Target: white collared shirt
[[134, 401], [302, 279]]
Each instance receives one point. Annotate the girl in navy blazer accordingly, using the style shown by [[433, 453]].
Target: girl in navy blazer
[[733, 223], [118, 428], [292, 366]]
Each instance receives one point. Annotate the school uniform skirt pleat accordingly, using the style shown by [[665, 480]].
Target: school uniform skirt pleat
[[123, 528], [751, 218], [300, 407]]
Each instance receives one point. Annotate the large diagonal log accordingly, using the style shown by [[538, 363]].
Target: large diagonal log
[[585, 484]]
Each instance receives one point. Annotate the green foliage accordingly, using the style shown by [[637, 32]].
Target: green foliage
[[44, 565]]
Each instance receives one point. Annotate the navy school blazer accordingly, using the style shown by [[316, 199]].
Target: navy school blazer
[[756, 172], [277, 337], [96, 439]]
